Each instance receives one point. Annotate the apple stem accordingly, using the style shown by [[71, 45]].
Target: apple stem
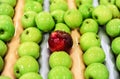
[[1, 31]]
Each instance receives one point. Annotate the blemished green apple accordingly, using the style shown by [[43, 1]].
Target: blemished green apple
[[31, 34], [1, 63], [58, 5], [10, 2], [40, 1], [104, 2], [115, 45], [3, 48], [73, 18], [58, 16], [89, 25], [44, 21], [88, 40], [25, 64], [86, 10], [118, 62], [7, 29], [102, 14], [94, 55], [6, 9], [60, 58], [62, 27], [29, 48], [4, 77], [96, 71], [33, 6], [114, 10], [28, 19], [60, 72], [117, 2], [112, 27], [31, 75]]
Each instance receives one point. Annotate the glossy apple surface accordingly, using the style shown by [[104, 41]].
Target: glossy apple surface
[[24, 65], [31, 75], [60, 58], [88, 40], [31, 34], [96, 71], [94, 55], [60, 72], [29, 48]]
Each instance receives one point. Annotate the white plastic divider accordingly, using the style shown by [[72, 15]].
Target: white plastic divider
[[110, 59], [44, 58]]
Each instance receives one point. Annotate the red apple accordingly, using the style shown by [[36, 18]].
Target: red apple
[[60, 41]]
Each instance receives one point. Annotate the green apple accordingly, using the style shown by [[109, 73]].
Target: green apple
[[86, 10], [102, 14], [10, 2], [60, 72], [3, 48], [60, 58], [25, 64], [33, 6], [31, 34], [6, 17], [73, 18], [62, 27], [51, 1], [31, 75], [87, 2], [88, 40], [29, 48], [1, 63], [94, 55], [104, 2], [117, 2], [28, 19], [79, 2], [59, 5], [6, 9], [114, 10], [58, 16], [4, 77], [118, 62], [112, 27], [45, 21], [96, 71], [115, 45], [89, 25], [40, 1], [7, 29]]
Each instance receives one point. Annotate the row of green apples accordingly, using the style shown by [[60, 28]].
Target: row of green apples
[[60, 61], [29, 49], [6, 28], [105, 14]]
